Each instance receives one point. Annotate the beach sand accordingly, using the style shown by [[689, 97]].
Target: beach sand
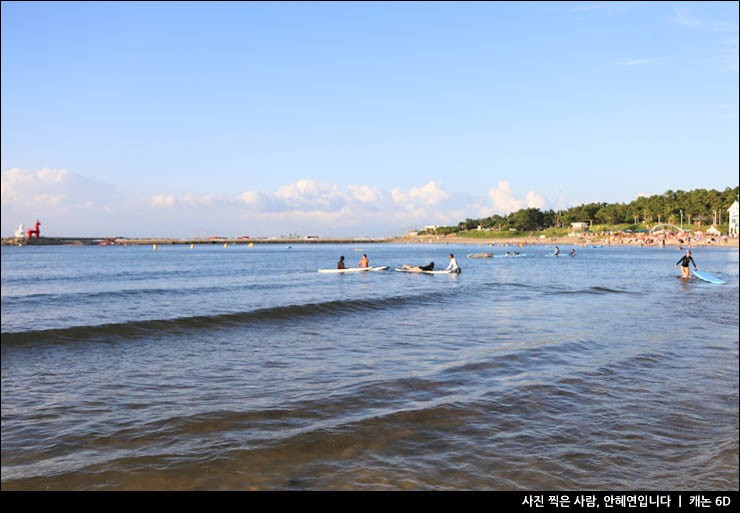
[[567, 241]]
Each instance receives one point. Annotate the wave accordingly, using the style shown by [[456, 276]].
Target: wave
[[109, 276], [593, 291], [112, 295], [182, 325]]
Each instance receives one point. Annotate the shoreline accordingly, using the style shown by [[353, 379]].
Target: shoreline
[[639, 240], [583, 241]]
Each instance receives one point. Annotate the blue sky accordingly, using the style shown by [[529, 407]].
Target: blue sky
[[357, 118]]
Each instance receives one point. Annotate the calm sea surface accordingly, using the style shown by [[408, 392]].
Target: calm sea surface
[[243, 368]]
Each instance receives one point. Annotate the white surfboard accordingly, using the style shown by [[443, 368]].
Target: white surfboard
[[399, 269], [354, 270]]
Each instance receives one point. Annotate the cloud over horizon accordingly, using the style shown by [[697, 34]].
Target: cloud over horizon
[[70, 204]]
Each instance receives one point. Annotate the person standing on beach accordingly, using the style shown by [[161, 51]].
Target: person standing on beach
[[364, 262], [340, 264], [684, 261]]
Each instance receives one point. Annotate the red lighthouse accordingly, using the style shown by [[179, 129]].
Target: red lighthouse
[[35, 232]]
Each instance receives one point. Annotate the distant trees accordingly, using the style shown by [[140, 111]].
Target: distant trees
[[675, 207]]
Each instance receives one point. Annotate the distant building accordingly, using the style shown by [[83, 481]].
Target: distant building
[[579, 227], [734, 221]]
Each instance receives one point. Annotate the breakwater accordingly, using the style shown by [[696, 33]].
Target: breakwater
[[120, 241]]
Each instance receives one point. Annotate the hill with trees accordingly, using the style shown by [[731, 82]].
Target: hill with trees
[[690, 210]]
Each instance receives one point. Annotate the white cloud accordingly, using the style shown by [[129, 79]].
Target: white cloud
[[163, 200], [365, 193], [503, 199], [429, 194], [33, 188], [186, 200], [68, 203], [354, 208], [504, 202], [534, 200], [249, 197], [64, 201], [52, 187], [310, 194]]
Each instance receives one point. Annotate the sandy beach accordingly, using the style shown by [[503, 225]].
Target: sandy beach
[[584, 240]]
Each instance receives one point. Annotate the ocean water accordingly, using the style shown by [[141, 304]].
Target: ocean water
[[238, 368]]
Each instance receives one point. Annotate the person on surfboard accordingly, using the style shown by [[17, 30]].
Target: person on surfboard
[[453, 264], [418, 268], [340, 264], [364, 262], [684, 261]]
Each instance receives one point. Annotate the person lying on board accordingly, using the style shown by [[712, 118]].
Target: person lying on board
[[418, 268]]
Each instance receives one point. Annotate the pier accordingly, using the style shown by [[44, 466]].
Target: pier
[[124, 241]]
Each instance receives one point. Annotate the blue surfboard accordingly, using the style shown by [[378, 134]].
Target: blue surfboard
[[703, 275]]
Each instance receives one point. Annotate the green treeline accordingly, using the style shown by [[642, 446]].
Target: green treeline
[[691, 209]]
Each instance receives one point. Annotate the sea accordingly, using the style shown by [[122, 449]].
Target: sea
[[230, 367]]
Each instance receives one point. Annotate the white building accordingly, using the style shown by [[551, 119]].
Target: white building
[[733, 210], [579, 226]]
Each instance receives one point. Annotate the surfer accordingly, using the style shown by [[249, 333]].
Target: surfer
[[453, 264], [340, 264], [364, 262], [684, 261], [418, 268], [573, 252], [557, 251]]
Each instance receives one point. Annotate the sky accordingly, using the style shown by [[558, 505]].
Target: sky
[[355, 119]]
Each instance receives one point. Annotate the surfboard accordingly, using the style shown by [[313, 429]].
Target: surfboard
[[480, 255], [354, 270], [422, 272], [703, 275]]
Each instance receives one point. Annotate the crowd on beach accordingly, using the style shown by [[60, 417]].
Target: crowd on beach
[[666, 239], [660, 239]]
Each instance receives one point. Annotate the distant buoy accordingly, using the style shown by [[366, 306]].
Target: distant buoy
[[226, 245], [251, 244], [192, 246], [154, 247]]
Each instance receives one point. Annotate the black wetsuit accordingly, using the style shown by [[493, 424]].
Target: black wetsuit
[[685, 261]]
